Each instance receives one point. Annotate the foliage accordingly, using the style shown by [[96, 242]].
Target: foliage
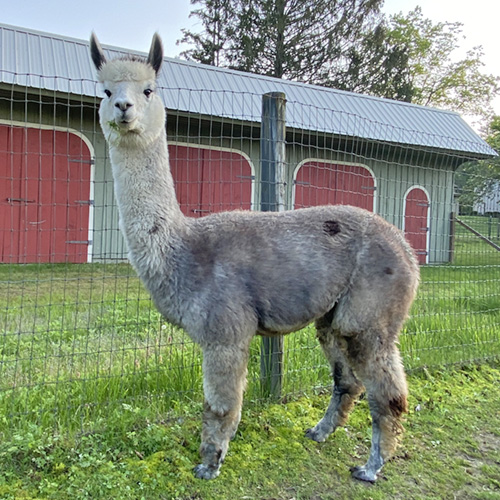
[[437, 77], [291, 39], [209, 46], [345, 44], [376, 65], [494, 136]]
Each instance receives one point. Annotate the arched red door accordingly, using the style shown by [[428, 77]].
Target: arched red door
[[45, 201], [416, 222], [210, 180], [324, 183]]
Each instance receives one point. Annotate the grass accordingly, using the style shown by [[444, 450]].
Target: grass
[[78, 341], [451, 450], [85, 357], [456, 316]]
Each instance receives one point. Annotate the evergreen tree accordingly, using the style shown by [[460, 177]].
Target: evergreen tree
[[345, 44], [293, 39], [209, 45], [376, 66]]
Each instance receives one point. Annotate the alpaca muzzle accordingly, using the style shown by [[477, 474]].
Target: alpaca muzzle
[[125, 120]]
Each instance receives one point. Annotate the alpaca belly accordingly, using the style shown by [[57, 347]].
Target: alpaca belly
[[274, 332], [273, 325], [281, 321], [289, 304]]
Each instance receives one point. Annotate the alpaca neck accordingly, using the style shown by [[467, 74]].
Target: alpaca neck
[[150, 217]]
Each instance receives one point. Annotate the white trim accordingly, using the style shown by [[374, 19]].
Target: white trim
[[90, 146], [428, 222], [334, 162], [245, 156]]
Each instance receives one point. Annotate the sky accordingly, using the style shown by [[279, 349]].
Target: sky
[[130, 24]]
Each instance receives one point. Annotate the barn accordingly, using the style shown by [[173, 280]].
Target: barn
[[56, 195]]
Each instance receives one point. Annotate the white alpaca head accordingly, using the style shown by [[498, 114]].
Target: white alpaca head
[[131, 114]]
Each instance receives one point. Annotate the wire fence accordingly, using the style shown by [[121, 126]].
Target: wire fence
[[80, 338]]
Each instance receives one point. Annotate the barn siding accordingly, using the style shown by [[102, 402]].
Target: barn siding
[[394, 175]]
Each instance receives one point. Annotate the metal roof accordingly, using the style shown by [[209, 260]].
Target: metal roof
[[52, 62]]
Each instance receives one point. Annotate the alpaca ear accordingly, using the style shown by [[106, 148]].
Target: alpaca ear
[[155, 57], [96, 52]]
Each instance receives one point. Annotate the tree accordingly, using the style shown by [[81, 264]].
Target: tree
[[208, 46], [375, 65], [438, 78], [346, 44], [294, 39]]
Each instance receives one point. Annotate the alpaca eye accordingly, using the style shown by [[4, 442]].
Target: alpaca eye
[[148, 92], [107, 92]]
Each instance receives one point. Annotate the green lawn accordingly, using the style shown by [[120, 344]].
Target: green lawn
[[83, 351], [451, 450], [79, 341]]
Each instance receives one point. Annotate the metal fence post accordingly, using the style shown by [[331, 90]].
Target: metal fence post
[[273, 198], [452, 236]]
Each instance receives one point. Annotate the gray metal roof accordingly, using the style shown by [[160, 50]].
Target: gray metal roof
[[52, 62]]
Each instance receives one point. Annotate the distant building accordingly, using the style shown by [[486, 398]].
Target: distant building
[[490, 203]]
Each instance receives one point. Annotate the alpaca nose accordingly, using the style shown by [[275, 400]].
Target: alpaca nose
[[123, 104]]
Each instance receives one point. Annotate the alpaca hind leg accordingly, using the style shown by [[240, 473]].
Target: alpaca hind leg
[[383, 375], [224, 379], [346, 389]]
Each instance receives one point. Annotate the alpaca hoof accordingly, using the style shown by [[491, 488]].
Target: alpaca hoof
[[317, 435], [203, 471], [363, 474]]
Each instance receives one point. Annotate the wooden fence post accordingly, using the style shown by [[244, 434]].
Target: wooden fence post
[[273, 198]]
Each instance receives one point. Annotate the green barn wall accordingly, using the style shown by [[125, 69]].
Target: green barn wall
[[395, 173], [393, 177]]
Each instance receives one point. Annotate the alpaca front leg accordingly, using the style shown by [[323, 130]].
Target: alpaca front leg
[[224, 379], [218, 430]]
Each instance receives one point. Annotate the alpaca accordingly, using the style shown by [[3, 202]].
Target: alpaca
[[229, 276]]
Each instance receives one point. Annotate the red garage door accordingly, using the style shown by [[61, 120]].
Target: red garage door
[[210, 180], [417, 222], [44, 196], [323, 183]]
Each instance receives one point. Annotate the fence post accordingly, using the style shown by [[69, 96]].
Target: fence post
[[273, 198], [452, 236]]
